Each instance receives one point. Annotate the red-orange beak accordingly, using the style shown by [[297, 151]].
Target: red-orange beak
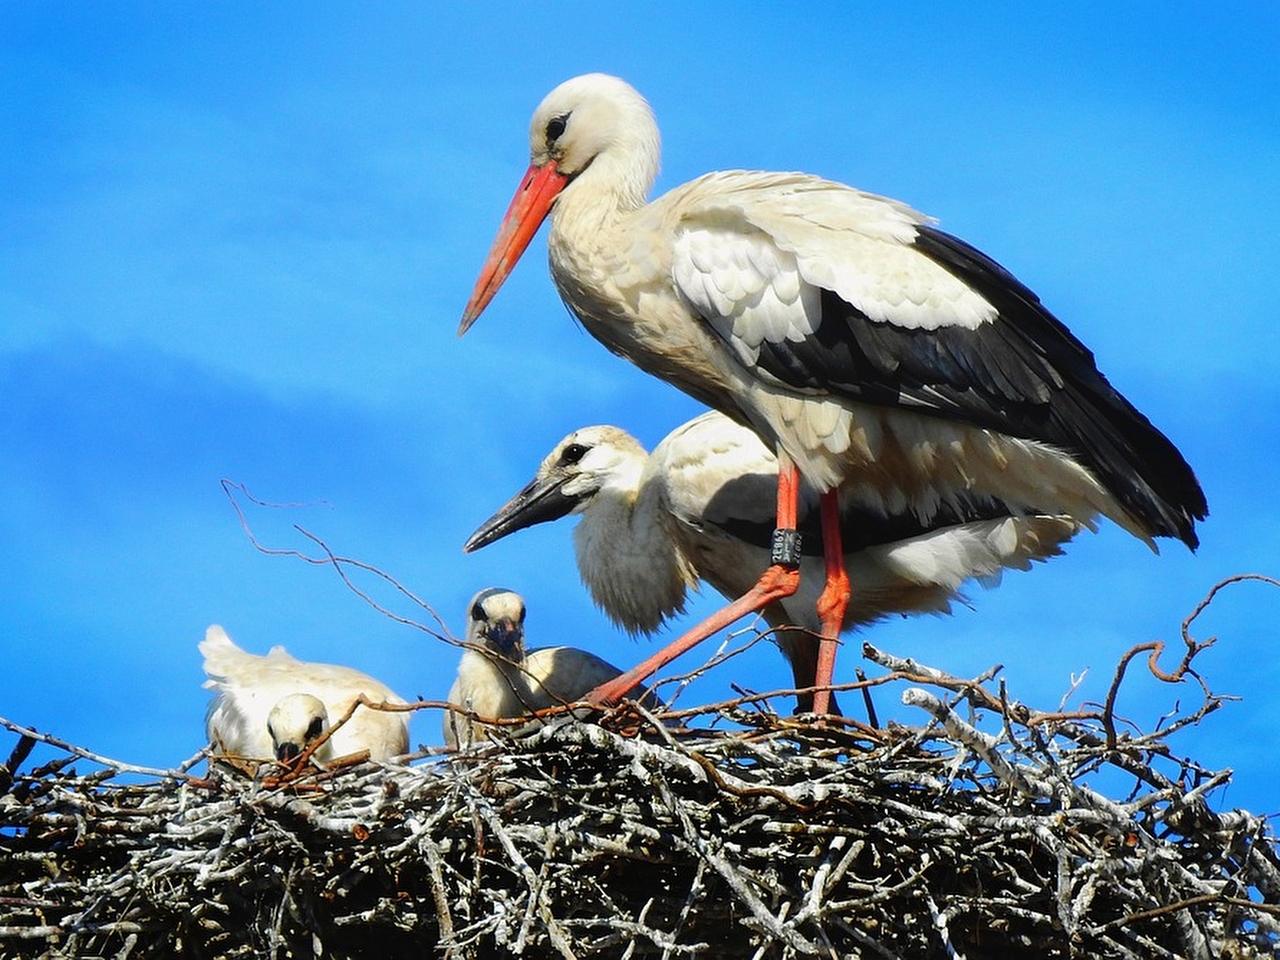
[[529, 207]]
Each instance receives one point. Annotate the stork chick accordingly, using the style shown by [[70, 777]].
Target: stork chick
[[275, 706], [498, 680]]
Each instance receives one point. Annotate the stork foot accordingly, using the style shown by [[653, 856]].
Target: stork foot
[[608, 694]]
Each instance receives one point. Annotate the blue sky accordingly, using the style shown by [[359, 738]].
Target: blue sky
[[236, 243]]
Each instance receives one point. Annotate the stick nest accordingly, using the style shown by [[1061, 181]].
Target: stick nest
[[975, 833]]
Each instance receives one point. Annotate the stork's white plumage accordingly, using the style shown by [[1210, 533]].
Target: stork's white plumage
[[274, 706], [701, 507], [499, 680], [847, 331]]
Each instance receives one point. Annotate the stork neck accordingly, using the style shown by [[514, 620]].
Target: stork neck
[[615, 184], [581, 215], [629, 556]]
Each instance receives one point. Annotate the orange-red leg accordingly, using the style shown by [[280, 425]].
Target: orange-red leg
[[833, 602], [781, 579]]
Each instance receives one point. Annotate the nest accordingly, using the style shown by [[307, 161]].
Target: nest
[[724, 831]]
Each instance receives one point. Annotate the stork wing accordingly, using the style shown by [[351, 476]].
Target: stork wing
[[823, 289], [565, 674], [716, 473], [719, 476]]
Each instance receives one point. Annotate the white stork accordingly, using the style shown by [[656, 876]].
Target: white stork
[[701, 507], [844, 328], [498, 680], [275, 706]]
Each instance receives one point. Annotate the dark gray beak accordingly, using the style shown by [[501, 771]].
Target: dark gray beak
[[541, 501], [507, 638]]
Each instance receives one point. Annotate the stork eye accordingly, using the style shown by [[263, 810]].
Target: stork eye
[[523, 611], [555, 128], [573, 453], [477, 612], [317, 726]]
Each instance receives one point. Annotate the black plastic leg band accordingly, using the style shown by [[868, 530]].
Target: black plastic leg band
[[786, 548]]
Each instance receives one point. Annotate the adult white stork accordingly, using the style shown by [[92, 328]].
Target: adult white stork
[[275, 706], [844, 328], [498, 679], [701, 507]]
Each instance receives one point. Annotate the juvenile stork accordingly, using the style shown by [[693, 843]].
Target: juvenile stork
[[275, 706], [844, 328], [498, 679], [701, 507]]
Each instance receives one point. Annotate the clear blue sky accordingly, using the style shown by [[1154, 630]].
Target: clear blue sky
[[236, 242]]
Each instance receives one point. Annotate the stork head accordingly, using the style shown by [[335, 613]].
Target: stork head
[[496, 622], [593, 116], [593, 122], [570, 478], [295, 723]]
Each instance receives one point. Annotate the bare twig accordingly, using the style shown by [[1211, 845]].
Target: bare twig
[[338, 563]]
